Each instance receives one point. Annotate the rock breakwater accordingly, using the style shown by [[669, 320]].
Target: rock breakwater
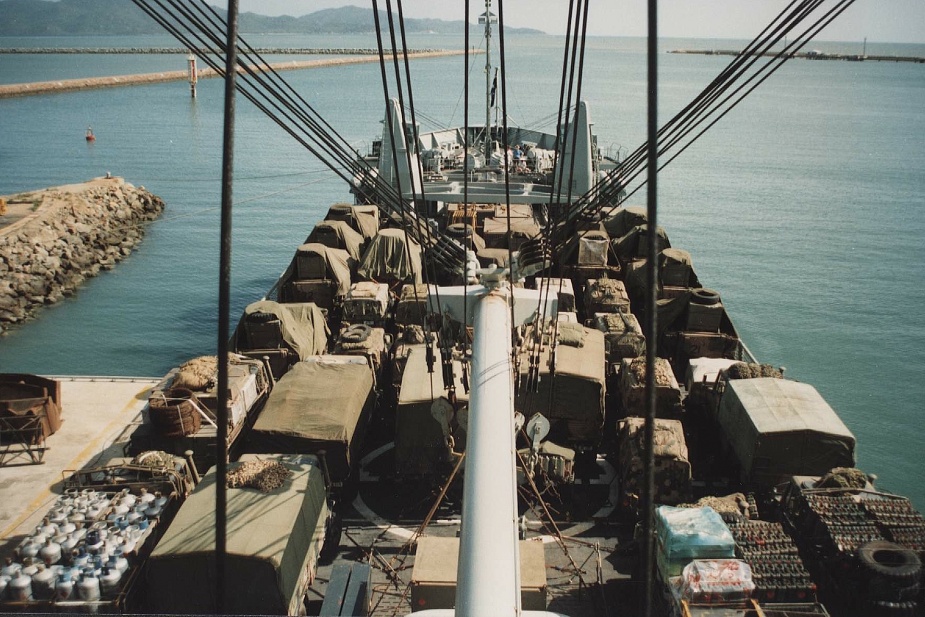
[[53, 239]]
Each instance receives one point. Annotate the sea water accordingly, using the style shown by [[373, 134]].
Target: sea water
[[803, 207]]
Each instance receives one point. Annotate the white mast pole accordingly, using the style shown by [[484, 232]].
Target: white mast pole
[[488, 578]]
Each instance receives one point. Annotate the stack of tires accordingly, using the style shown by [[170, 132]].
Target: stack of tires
[[894, 575]]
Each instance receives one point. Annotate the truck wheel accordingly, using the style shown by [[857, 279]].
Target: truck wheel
[[890, 561], [459, 230], [356, 333], [259, 317], [704, 296]]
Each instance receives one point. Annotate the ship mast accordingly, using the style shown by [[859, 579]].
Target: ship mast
[[487, 18]]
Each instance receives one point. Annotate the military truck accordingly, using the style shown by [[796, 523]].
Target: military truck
[[275, 534]]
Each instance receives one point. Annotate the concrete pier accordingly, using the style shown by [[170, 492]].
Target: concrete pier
[[87, 83], [806, 55]]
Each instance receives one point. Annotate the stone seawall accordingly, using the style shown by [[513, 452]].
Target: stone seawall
[[51, 240], [88, 83]]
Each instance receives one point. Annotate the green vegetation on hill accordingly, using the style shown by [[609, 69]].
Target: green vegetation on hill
[[123, 17]]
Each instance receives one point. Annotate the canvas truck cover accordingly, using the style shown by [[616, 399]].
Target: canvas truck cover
[[779, 428], [347, 239], [388, 257], [273, 542], [419, 440], [496, 230], [624, 219], [578, 385], [302, 324], [317, 405], [364, 218], [336, 261]]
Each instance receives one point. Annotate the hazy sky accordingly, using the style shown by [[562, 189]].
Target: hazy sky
[[879, 20]]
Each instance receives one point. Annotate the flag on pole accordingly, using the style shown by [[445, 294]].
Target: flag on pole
[[494, 88]]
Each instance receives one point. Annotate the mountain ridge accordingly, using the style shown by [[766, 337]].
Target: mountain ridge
[[119, 17]]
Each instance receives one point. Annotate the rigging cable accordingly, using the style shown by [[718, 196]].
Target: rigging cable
[[651, 320], [402, 128], [506, 149], [471, 247], [417, 142], [224, 304], [316, 135], [706, 105]]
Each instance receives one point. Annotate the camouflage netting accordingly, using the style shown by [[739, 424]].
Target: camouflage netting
[[748, 370], [735, 503], [264, 476], [843, 477], [197, 374], [663, 374], [154, 458]]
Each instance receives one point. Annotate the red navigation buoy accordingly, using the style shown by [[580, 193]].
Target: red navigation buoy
[[90, 135]]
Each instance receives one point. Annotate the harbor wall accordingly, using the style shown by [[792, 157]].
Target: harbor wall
[[88, 83], [53, 239]]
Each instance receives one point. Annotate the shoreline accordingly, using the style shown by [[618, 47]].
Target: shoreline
[[90, 83]]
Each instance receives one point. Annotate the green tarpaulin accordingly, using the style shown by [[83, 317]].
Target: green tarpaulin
[[320, 404], [273, 542]]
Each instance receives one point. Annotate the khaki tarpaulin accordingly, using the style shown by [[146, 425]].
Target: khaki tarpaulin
[[634, 243], [363, 218], [302, 324], [273, 541], [624, 219], [574, 393], [338, 264], [778, 428], [347, 239], [390, 257], [317, 405]]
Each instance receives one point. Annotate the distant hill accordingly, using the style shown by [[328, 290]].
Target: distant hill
[[123, 17]]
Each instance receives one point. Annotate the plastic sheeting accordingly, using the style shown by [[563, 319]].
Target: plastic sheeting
[[713, 581], [302, 325], [779, 428], [273, 542], [390, 257], [692, 533]]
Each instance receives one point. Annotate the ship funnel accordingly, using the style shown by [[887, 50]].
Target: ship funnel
[[394, 161], [576, 164]]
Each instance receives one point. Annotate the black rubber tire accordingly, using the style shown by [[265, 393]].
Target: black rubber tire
[[340, 210], [890, 561], [357, 333], [704, 296], [459, 230], [260, 317]]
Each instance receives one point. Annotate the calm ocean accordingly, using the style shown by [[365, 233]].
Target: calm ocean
[[805, 207]]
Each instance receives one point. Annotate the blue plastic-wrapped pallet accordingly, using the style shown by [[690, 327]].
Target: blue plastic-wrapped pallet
[[685, 534]]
